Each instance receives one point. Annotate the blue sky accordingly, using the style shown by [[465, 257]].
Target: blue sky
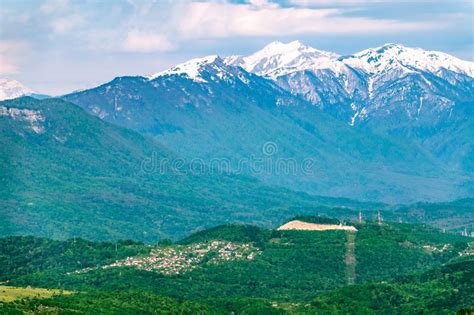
[[57, 46]]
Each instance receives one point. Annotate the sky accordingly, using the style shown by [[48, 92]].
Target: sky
[[58, 46]]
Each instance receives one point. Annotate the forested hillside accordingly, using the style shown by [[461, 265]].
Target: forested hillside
[[65, 173], [220, 268]]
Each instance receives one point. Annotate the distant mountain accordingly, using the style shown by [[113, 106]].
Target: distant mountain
[[65, 173], [12, 89], [425, 96], [224, 115], [278, 59], [377, 83]]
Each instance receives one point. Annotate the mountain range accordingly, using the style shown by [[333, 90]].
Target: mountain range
[[236, 146], [360, 88], [390, 124]]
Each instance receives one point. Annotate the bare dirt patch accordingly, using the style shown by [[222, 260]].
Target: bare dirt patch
[[305, 226]]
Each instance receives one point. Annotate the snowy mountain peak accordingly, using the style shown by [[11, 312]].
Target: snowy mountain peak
[[12, 89], [279, 48], [388, 46], [277, 59], [395, 56], [191, 68]]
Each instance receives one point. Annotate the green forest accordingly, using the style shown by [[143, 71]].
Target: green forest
[[399, 268]]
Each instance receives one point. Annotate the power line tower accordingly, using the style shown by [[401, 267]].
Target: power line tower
[[360, 216], [379, 217]]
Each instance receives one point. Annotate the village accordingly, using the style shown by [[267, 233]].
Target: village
[[179, 259]]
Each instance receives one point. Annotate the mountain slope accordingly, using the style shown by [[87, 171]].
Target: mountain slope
[[423, 96], [66, 173], [207, 110], [367, 81], [278, 59]]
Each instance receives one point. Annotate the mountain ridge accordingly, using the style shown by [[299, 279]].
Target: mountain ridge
[[207, 109]]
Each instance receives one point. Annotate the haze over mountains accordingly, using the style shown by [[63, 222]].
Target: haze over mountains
[[391, 123]]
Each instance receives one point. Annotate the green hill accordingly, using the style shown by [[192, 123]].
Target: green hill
[[452, 216], [443, 290], [234, 261], [65, 173]]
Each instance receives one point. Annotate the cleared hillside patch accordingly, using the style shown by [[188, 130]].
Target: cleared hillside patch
[[306, 226], [10, 294]]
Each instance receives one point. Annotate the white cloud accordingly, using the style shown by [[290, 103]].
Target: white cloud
[[338, 2], [262, 3], [55, 6], [63, 25], [219, 20], [62, 16], [137, 41], [9, 54]]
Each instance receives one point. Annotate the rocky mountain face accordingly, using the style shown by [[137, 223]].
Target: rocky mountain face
[[372, 85], [424, 96], [212, 111]]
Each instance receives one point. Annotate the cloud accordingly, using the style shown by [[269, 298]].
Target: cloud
[[161, 26], [63, 16], [9, 53], [137, 41], [332, 2], [55, 7], [220, 20], [66, 24], [262, 3], [353, 2]]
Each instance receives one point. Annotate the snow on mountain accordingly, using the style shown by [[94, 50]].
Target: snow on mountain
[[378, 92], [191, 68], [394, 56], [388, 80], [12, 89], [205, 70], [277, 59]]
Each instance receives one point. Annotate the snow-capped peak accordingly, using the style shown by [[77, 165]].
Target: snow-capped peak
[[12, 89], [190, 68], [277, 59], [392, 56], [279, 48]]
